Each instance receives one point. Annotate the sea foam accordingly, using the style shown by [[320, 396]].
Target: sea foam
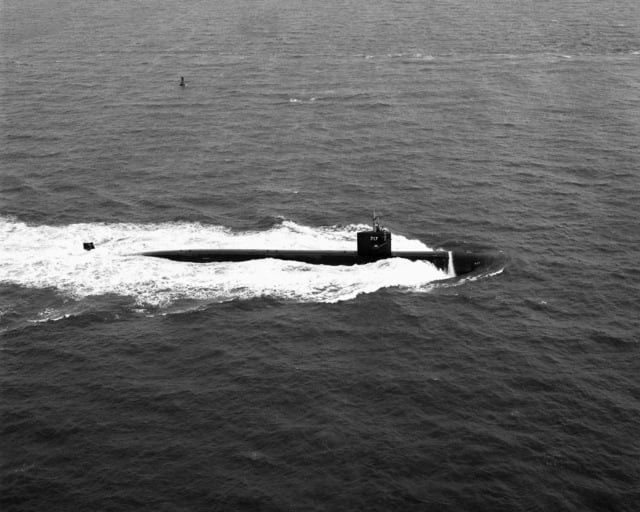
[[53, 257]]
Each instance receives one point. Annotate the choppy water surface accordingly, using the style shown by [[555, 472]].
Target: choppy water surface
[[130, 383]]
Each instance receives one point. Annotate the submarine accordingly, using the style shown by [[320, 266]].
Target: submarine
[[372, 245]]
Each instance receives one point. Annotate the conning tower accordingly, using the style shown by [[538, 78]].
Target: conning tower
[[374, 244]]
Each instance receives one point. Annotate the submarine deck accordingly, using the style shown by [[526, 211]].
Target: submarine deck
[[463, 262], [438, 258]]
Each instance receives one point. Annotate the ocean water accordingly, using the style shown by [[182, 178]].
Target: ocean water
[[507, 128]]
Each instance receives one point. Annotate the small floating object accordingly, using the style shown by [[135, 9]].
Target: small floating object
[[182, 83], [88, 246], [372, 245]]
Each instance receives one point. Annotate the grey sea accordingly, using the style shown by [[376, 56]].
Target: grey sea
[[508, 128]]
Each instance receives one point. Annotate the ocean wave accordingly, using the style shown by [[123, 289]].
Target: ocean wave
[[404, 56], [303, 100]]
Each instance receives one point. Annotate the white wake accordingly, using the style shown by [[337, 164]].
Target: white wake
[[53, 257]]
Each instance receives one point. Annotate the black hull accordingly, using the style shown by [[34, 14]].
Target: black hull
[[463, 262]]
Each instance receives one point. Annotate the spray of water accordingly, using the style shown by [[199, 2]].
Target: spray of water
[[53, 257]]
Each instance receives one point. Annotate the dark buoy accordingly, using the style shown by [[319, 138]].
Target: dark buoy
[[88, 246], [182, 84]]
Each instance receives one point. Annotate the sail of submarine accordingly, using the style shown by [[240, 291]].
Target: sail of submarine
[[372, 245]]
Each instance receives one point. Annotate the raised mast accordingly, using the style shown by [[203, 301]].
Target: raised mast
[[376, 221]]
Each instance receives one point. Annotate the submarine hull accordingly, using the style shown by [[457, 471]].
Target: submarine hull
[[462, 263]]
